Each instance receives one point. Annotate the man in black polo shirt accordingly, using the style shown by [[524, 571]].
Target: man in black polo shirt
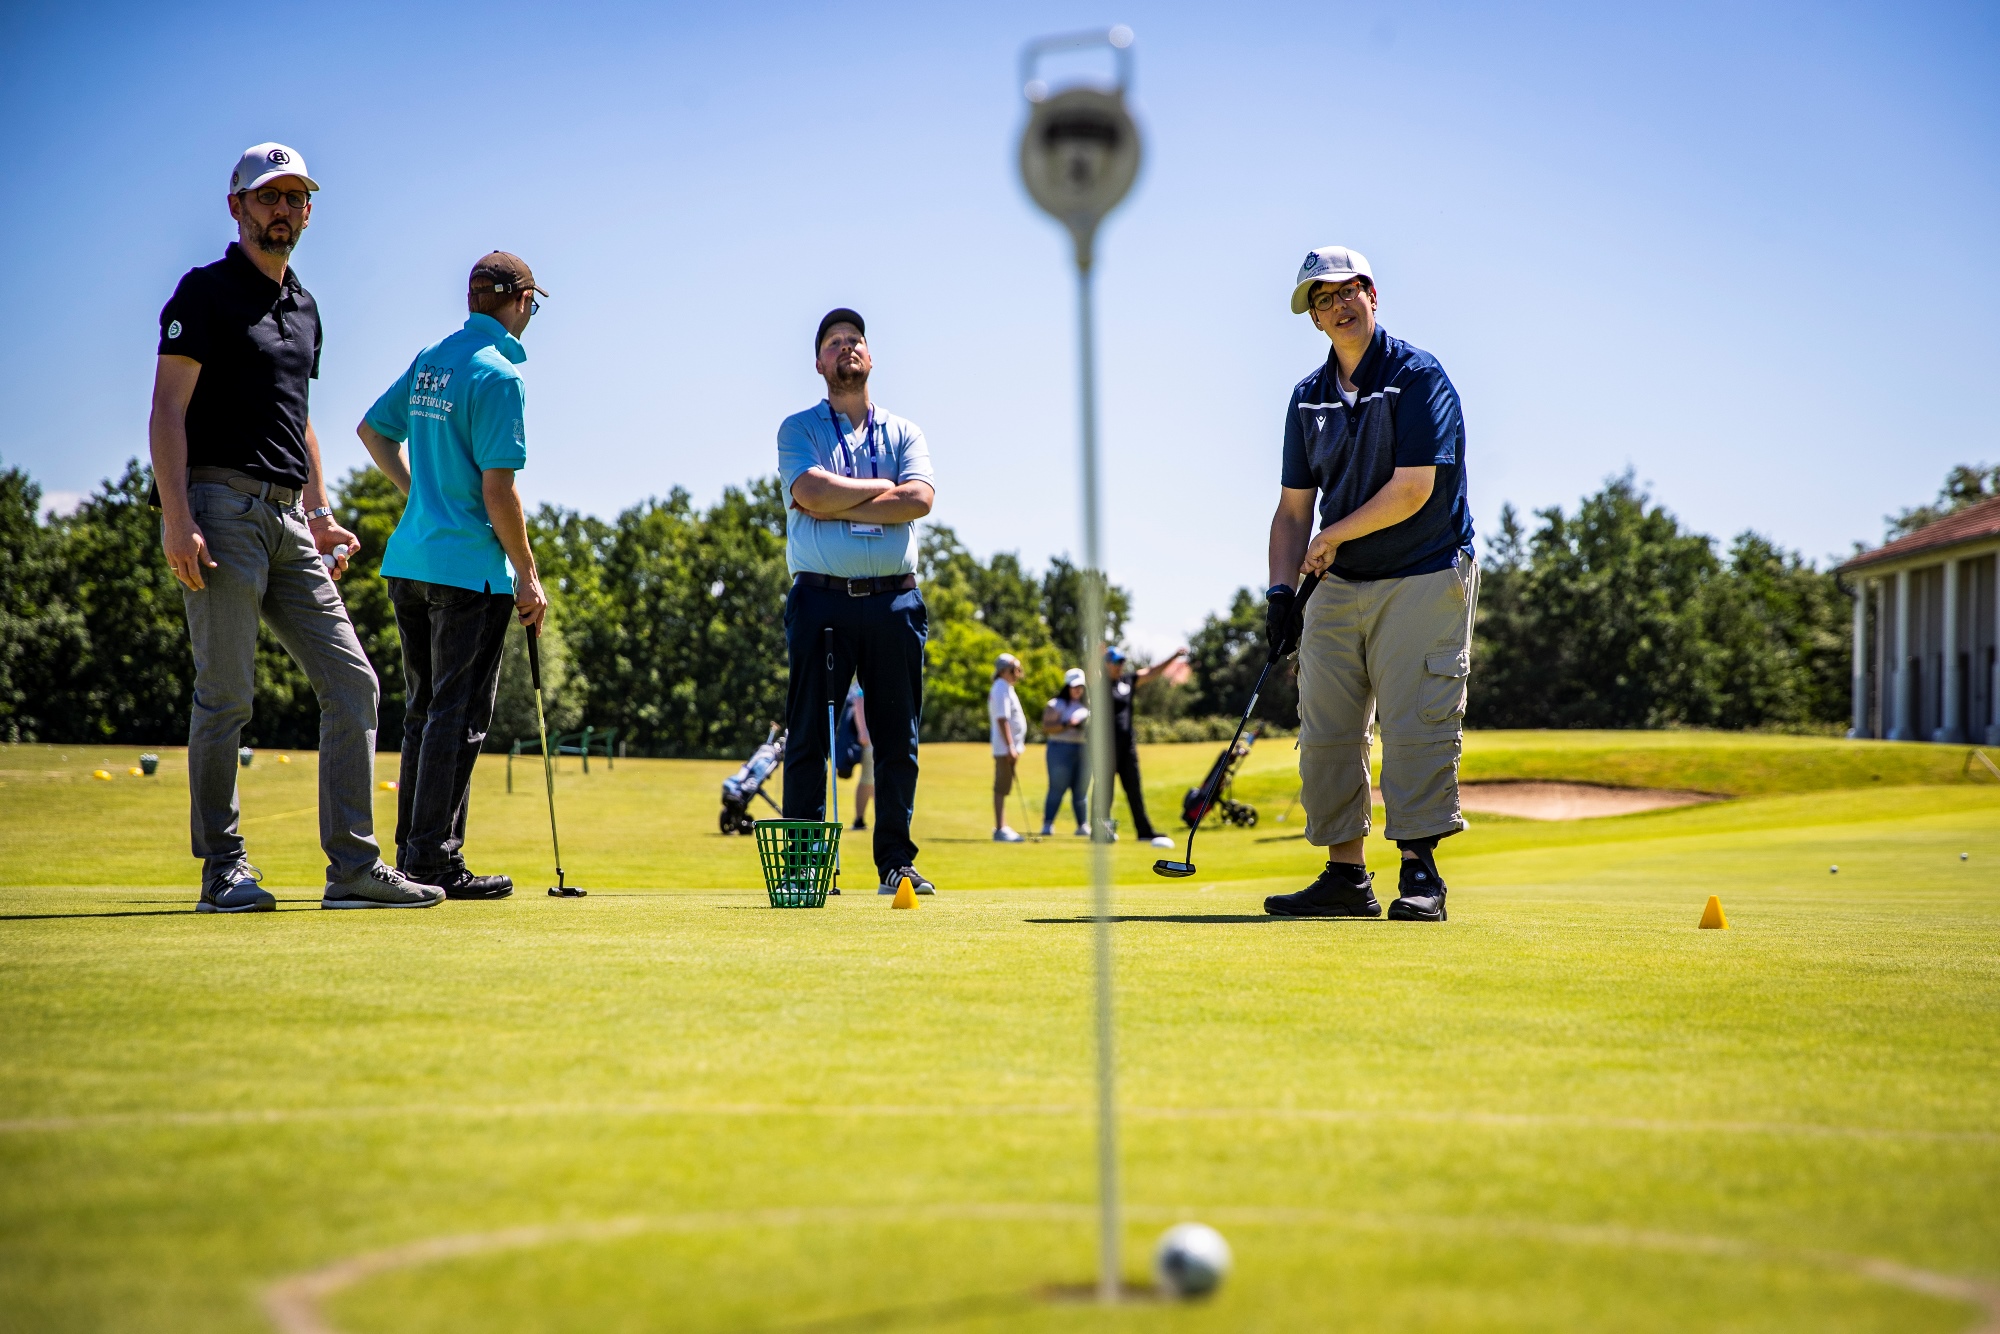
[[249, 534]]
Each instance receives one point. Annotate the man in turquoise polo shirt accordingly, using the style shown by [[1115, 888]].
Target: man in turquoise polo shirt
[[460, 406]]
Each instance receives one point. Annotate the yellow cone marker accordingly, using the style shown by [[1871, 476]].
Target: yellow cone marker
[[99, 773], [1711, 916], [906, 894]]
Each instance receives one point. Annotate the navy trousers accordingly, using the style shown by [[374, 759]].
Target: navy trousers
[[452, 639], [879, 638]]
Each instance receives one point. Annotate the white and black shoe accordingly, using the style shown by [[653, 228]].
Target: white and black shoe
[[918, 885]]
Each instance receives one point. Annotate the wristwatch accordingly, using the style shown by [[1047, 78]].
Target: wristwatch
[[323, 512]]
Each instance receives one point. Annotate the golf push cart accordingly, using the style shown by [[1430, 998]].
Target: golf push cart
[[747, 784], [1214, 792]]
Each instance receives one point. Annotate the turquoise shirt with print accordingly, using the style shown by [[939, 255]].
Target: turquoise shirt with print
[[820, 438], [462, 408]]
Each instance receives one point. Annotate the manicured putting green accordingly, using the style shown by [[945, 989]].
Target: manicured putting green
[[668, 1106]]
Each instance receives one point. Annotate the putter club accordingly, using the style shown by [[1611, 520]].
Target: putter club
[[1180, 870], [832, 755], [559, 890]]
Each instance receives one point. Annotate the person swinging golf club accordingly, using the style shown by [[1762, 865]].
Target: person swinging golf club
[[1375, 436], [857, 479]]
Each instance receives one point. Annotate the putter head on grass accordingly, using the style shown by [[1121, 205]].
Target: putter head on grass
[[1173, 869]]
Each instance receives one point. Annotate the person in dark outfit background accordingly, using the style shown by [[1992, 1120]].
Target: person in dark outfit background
[[249, 534], [461, 407], [1125, 747], [858, 479]]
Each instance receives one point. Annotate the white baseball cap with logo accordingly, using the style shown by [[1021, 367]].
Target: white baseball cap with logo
[[267, 162], [1334, 264]]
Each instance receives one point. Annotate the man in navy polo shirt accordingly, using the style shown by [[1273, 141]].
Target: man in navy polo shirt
[[462, 408], [858, 480], [250, 536], [1375, 435]]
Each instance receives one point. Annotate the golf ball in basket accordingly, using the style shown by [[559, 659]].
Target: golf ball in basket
[[1191, 1260]]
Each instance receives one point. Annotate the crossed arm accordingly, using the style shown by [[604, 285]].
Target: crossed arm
[[819, 494], [1401, 496]]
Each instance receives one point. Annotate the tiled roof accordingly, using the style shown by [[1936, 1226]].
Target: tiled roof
[[1968, 525]]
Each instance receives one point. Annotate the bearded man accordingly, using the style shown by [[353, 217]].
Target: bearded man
[[250, 536], [858, 479]]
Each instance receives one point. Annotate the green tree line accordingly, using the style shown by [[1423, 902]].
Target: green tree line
[[665, 624]]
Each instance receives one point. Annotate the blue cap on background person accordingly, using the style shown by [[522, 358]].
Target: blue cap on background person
[[1112, 653], [267, 162]]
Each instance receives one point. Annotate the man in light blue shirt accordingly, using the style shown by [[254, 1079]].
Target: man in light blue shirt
[[461, 408], [858, 479]]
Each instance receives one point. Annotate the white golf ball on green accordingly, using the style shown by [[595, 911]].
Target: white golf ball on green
[[1191, 1260]]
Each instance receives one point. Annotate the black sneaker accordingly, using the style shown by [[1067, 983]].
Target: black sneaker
[[234, 888], [859, 825], [1419, 894], [1334, 894], [892, 881], [461, 883]]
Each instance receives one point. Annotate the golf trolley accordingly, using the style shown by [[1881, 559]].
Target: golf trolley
[[747, 784], [1214, 792]]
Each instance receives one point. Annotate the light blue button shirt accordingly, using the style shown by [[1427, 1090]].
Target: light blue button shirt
[[462, 407], [817, 438]]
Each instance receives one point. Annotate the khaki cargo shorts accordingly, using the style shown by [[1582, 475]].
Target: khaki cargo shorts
[[1393, 655]]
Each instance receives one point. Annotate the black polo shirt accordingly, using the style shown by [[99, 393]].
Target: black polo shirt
[[258, 345]]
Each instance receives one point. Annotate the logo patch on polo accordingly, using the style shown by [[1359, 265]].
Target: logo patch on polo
[[174, 329]]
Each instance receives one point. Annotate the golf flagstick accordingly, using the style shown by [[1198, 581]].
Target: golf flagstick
[[559, 890], [832, 757], [1177, 870]]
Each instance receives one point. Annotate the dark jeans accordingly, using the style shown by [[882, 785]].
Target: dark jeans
[[266, 569], [879, 638], [1127, 752], [1069, 771], [452, 639]]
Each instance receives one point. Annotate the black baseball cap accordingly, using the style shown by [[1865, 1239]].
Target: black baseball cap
[[841, 315]]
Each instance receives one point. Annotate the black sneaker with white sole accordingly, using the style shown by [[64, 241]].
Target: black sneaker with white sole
[[893, 881], [234, 887], [1419, 894], [1340, 891]]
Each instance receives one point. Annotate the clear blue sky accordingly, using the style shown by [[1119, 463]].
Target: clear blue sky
[[1747, 250]]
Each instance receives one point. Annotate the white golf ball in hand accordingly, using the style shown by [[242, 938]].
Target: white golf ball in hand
[[1191, 1260]]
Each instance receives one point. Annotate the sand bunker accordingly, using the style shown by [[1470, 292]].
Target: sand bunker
[[1570, 801]]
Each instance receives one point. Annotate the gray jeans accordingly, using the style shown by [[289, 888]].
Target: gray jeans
[[1393, 654], [267, 569]]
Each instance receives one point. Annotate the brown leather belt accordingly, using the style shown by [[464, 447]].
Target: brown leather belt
[[858, 588], [284, 497]]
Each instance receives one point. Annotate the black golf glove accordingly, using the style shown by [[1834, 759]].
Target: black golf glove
[[1282, 623]]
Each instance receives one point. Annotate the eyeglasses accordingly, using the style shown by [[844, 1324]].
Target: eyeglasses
[[1327, 300], [269, 197]]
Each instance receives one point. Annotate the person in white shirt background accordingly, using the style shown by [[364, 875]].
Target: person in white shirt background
[[1010, 736]]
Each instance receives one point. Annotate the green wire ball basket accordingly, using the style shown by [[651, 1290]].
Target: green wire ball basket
[[799, 857]]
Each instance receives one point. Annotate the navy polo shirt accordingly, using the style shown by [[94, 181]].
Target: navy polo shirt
[[1405, 415], [258, 344]]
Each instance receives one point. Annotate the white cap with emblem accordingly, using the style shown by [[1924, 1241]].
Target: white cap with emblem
[[267, 162], [1334, 264]]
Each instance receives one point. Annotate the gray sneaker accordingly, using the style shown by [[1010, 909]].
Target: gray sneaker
[[381, 886], [234, 888], [893, 881]]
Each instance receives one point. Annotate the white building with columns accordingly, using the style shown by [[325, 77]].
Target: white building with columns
[[1926, 612]]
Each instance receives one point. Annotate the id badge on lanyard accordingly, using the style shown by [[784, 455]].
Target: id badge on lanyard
[[853, 466]]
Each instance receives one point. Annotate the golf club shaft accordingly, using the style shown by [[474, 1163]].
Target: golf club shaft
[[832, 747], [542, 722]]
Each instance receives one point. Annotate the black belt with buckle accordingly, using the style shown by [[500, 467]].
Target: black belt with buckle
[[284, 497], [858, 588]]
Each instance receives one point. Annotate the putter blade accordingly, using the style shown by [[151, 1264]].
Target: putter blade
[[1173, 870], [566, 892]]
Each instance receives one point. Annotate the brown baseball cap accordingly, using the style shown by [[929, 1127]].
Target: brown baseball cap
[[502, 271]]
